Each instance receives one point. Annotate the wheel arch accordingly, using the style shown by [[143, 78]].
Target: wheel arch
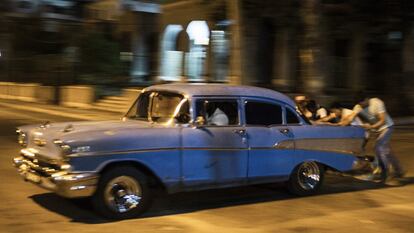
[[325, 166], [336, 162], [154, 180]]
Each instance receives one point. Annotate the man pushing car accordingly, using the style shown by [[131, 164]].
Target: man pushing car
[[375, 118]]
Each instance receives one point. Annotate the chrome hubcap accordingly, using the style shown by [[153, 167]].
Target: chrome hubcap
[[308, 175], [123, 194]]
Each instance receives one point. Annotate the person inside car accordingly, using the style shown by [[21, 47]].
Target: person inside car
[[216, 116]]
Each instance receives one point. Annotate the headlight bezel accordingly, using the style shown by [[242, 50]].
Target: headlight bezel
[[21, 137], [65, 148]]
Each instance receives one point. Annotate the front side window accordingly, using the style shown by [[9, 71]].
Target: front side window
[[260, 113], [159, 107], [218, 112], [163, 106], [291, 117], [139, 111]]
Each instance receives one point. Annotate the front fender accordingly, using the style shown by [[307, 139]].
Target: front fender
[[164, 164]]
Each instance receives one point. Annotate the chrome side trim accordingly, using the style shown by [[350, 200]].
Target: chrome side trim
[[337, 145], [285, 145], [152, 150]]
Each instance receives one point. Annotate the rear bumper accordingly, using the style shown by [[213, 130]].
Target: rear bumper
[[63, 183]]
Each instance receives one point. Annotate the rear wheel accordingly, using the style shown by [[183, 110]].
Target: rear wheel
[[122, 193], [306, 178]]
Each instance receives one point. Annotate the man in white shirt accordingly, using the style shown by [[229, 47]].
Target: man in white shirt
[[373, 113], [314, 112]]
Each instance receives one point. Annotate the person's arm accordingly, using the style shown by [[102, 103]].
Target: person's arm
[[324, 123], [378, 124], [348, 119], [327, 118]]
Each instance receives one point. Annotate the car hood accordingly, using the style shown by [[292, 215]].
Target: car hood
[[68, 129], [98, 135]]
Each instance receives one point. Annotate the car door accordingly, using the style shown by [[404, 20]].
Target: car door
[[271, 142], [215, 154]]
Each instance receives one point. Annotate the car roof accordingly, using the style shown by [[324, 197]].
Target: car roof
[[210, 89]]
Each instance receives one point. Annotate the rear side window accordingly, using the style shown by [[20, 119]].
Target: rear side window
[[260, 113], [218, 112], [291, 117]]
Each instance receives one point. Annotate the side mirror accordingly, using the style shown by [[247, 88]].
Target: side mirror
[[199, 121]]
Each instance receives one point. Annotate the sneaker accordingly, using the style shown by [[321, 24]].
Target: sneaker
[[393, 182], [377, 171], [377, 175], [399, 174], [377, 178]]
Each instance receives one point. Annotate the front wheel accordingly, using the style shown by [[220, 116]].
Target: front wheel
[[306, 178], [122, 193]]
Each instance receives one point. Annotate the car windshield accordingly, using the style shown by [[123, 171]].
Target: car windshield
[[156, 106]]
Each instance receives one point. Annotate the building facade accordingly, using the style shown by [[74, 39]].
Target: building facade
[[134, 25], [38, 40], [324, 48], [41, 39]]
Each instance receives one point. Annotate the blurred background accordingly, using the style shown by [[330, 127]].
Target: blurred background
[[98, 53]]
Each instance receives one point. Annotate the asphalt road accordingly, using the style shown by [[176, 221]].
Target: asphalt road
[[345, 204]]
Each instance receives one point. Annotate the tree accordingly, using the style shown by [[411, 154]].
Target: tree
[[99, 61]]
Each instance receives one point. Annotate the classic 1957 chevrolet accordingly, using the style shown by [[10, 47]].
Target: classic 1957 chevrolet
[[182, 137]]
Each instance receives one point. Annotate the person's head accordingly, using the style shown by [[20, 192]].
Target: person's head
[[336, 108], [301, 100], [362, 98], [209, 107], [311, 106]]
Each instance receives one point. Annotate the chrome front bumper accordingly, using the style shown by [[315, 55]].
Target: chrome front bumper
[[63, 183]]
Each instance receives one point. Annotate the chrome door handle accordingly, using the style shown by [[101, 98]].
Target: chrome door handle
[[285, 131], [241, 132]]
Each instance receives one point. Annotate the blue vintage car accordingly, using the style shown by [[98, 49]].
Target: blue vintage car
[[183, 137]]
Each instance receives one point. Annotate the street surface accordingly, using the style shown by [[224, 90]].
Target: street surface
[[344, 204]]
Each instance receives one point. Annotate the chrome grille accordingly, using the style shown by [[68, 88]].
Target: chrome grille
[[41, 167]]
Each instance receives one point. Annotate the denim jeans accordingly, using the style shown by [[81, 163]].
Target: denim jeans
[[384, 154]]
